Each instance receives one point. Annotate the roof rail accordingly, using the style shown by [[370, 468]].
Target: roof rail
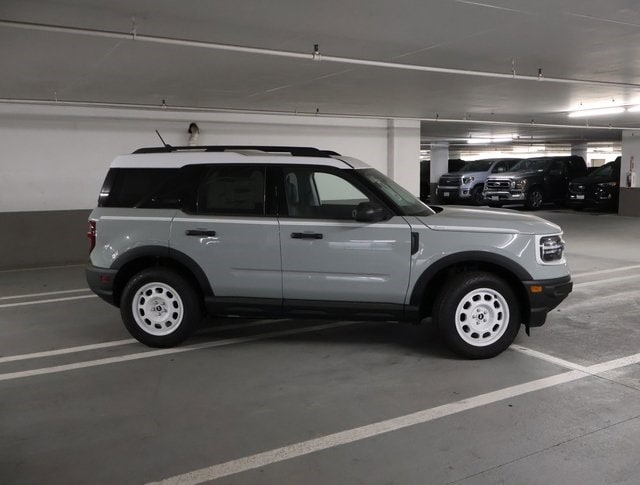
[[293, 151]]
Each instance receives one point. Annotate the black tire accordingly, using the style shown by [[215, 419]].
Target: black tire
[[476, 195], [534, 199], [160, 308], [484, 300]]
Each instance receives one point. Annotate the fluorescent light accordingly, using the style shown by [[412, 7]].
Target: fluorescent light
[[633, 109], [484, 141], [596, 112]]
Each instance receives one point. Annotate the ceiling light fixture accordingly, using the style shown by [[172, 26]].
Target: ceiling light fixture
[[633, 109], [596, 112], [483, 141]]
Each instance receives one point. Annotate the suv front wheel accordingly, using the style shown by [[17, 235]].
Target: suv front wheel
[[159, 307], [534, 199], [477, 314]]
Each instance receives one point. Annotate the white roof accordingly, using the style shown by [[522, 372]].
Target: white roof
[[180, 158]]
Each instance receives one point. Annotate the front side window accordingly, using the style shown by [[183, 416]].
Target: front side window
[[314, 193], [232, 190]]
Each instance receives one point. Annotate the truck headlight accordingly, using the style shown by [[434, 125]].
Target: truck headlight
[[467, 180], [550, 249], [519, 184]]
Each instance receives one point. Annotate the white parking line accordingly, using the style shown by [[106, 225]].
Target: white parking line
[[605, 271], [548, 358], [52, 300], [49, 293], [115, 343], [357, 434], [42, 268], [608, 280], [175, 350]]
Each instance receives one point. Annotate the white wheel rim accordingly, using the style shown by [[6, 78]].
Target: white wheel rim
[[157, 309], [482, 317]]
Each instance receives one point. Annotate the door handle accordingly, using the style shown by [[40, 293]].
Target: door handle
[[200, 232], [306, 235]]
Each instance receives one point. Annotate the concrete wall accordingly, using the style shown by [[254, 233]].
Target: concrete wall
[[54, 159]]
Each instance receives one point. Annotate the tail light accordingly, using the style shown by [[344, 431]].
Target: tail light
[[91, 234]]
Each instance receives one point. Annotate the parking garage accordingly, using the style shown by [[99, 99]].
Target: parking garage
[[290, 400]]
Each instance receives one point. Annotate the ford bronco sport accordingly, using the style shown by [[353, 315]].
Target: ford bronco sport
[[246, 230]]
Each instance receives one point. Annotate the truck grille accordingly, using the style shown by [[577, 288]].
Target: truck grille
[[496, 184], [450, 182], [577, 189]]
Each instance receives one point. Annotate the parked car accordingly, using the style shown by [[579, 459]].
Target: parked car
[[454, 165], [601, 188], [467, 184], [534, 181], [254, 230]]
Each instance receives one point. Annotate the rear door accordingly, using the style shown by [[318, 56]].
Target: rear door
[[326, 254], [225, 228]]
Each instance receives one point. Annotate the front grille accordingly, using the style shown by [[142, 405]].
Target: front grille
[[577, 189], [497, 184], [450, 182]]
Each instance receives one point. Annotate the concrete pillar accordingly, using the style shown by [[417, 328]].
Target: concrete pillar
[[403, 153], [630, 185], [439, 165], [579, 149]]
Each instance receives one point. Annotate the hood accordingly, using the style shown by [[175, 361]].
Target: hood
[[594, 180], [515, 175], [463, 174], [503, 221]]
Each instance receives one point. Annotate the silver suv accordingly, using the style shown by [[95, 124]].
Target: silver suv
[[228, 230], [467, 184]]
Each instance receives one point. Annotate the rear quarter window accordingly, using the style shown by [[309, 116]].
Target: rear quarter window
[[141, 188]]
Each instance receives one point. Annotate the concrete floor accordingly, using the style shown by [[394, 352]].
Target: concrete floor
[[289, 402]]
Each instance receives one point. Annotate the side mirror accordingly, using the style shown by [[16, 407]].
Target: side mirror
[[369, 212]]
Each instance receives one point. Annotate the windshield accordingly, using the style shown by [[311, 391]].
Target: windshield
[[477, 166], [408, 203], [530, 164], [607, 170]]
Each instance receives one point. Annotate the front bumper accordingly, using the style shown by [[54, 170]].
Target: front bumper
[[504, 196], [544, 296], [100, 281], [445, 193]]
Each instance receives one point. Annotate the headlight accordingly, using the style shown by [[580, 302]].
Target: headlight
[[519, 184], [550, 249], [467, 180], [607, 185]]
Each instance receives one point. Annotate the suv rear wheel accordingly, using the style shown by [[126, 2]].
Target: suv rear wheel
[[477, 315], [159, 307]]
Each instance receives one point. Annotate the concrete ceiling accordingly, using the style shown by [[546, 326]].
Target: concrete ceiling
[[465, 68]]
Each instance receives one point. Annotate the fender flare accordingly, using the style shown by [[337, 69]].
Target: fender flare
[[465, 257]]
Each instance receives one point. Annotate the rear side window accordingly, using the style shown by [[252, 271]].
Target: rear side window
[[141, 188], [232, 190]]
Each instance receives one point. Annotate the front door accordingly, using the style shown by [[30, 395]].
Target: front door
[[326, 254]]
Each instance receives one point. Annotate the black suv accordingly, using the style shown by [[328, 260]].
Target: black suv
[[601, 188], [533, 181]]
